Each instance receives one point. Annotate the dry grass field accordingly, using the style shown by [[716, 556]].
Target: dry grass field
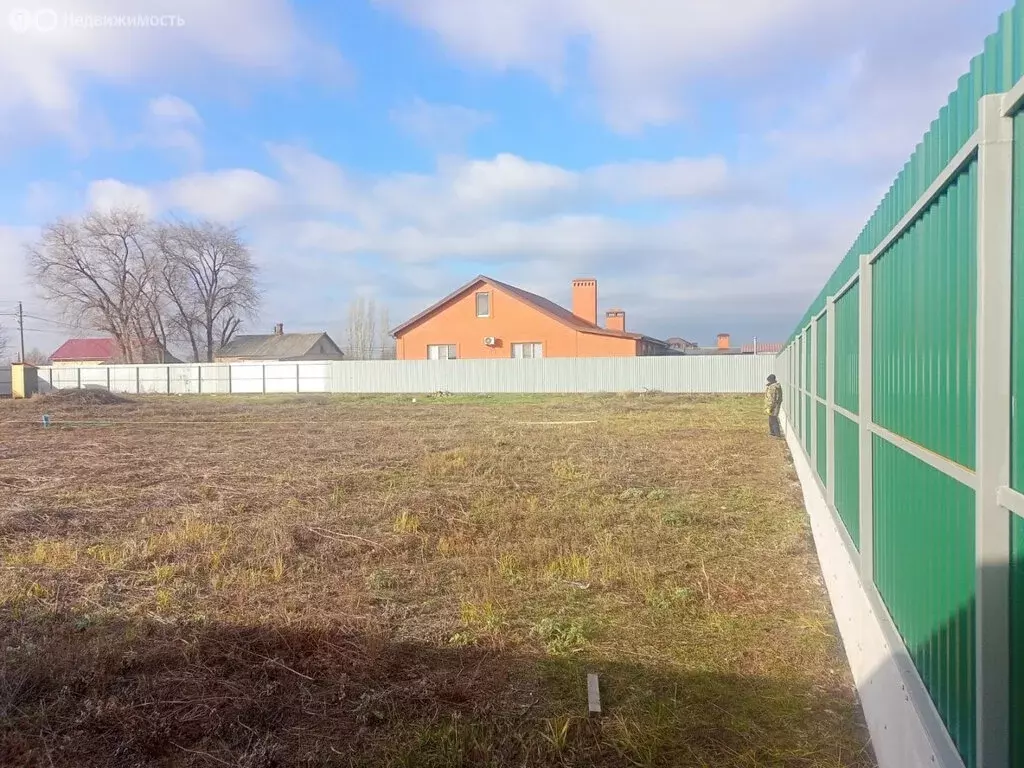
[[372, 581]]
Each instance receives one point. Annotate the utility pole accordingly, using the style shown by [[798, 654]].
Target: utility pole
[[21, 332]]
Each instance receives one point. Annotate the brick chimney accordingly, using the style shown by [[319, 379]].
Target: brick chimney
[[723, 341], [279, 329], [615, 320], [584, 299]]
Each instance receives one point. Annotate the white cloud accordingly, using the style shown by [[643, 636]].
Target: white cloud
[[173, 109], [491, 190], [681, 177], [644, 58], [105, 194], [443, 127], [44, 73], [172, 123], [227, 195]]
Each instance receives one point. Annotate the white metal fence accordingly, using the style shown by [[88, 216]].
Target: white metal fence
[[683, 374]]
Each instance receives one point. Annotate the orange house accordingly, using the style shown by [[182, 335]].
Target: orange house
[[486, 318]]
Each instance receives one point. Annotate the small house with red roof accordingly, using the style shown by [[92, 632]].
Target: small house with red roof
[[105, 351]]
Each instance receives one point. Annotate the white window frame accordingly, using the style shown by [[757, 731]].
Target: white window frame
[[477, 303], [535, 348], [442, 352]]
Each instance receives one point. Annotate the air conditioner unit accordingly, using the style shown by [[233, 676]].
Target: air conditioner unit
[[490, 341]]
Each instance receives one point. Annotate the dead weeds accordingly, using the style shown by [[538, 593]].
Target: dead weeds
[[371, 581]]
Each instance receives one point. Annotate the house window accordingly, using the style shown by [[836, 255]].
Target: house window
[[441, 352], [483, 304], [528, 349]]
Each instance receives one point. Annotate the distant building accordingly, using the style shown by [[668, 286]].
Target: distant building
[[106, 351], [489, 319], [680, 344], [723, 346], [762, 348], [279, 346]]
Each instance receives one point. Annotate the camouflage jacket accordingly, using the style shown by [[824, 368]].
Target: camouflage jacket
[[773, 399]]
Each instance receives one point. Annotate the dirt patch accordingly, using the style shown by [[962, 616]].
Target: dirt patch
[[83, 397]]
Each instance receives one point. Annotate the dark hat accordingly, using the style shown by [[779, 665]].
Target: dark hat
[[771, 377]]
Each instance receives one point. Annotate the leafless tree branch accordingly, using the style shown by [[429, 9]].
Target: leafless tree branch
[[147, 284]]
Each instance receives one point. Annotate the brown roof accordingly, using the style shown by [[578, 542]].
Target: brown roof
[[539, 303], [762, 347], [274, 346]]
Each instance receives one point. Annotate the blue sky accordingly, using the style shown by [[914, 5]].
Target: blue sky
[[708, 163]]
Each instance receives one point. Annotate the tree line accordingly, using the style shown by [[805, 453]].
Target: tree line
[[148, 284]]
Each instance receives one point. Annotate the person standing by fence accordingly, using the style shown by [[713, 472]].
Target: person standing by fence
[[773, 404]]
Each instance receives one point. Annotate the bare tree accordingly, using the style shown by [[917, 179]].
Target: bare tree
[[36, 356], [100, 272], [386, 348], [4, 343], [362, 329], [208, 281]]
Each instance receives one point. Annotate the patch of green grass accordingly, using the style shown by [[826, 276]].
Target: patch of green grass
[[560, 635]]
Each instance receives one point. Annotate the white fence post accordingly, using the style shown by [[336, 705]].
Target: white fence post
[[830, 400], [812, 394], [866, 478], [992, 437]]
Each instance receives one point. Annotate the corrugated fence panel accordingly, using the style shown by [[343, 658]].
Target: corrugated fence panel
[[683, 374], [798, 377], [154, 379], [123, 378], [807, 426], [821, 382], [847, 475], [247, 378], [5, 381], [282, 378], [847, 372], [925, 571], [925, 296], [213, 379], [821, 438], [315, 377]]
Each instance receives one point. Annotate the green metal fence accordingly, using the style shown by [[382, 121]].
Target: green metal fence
[[925, 575], [847, 476], [847, 320], [911, 362]]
